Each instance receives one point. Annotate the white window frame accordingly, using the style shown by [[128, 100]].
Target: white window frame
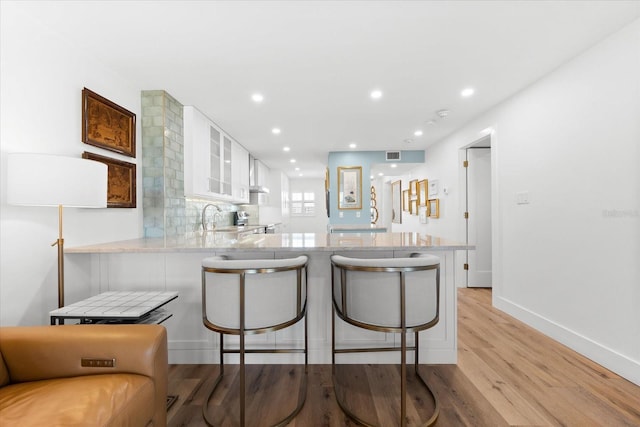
[[303, 203]]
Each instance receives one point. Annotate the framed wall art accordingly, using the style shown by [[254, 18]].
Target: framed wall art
[[349, 187], [121, 181], [396, 202], [413, 187], [434, 208], [423, 192], [107, 125], [405, 200], [433, 188]]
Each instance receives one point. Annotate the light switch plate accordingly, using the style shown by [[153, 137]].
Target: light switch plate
[[522, 198]]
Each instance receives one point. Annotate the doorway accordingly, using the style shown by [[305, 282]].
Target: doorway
[[478, 213]]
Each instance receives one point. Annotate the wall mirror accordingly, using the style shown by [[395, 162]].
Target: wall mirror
[[396, 202], [349, 187]]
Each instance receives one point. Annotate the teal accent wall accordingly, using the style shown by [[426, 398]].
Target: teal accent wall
[[365, 159]]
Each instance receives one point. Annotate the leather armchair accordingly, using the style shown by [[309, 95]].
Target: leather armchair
[[43, 382]]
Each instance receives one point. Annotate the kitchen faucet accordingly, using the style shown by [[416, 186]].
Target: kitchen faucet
[[216, 216]]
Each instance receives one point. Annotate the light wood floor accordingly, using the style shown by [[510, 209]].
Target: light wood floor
[[507, 375]]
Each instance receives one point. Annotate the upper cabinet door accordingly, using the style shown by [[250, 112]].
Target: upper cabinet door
[[196, 153], [215, 160], [227, 159], [215, 166], [239, 173]]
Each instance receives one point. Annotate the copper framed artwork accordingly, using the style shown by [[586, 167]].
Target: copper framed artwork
[[349, 187], [107, 125], [434, 208], [121, 181], [423, 192]]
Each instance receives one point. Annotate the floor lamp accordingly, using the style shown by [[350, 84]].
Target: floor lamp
[[49, 180]]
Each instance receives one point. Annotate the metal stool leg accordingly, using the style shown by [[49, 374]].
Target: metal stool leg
[[241, 330], [341, 310]]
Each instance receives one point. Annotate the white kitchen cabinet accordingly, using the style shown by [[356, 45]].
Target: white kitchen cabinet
[[209, 156], [225, 176], [197, 158], [239, 173]]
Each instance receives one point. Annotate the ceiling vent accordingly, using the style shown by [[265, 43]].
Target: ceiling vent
[[393, 156]]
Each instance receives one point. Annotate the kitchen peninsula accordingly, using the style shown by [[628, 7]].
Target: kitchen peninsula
[[174, 264]]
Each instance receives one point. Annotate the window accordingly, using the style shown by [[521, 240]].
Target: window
[[303, 204]]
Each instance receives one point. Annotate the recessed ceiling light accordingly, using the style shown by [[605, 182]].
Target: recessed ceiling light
[[276, 131], [380, 174], [371, 177], [286, 148], [418, 133], [467, 92], [353, 145], [376, 94], [292, 160], [442, 113], [394, 165], [257, 97], [301, 174]]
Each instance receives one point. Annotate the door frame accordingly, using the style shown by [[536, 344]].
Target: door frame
[[487, 135]]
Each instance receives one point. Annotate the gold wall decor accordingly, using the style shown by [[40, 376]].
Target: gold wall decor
[[413, 187], [107, 125], [423, 192], [405, 200], [434, 208], [349, 187], [374, 208]]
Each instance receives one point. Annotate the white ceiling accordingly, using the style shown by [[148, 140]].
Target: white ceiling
[[316, 62]]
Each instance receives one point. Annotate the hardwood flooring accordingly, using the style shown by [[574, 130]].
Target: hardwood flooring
[[507, 375]]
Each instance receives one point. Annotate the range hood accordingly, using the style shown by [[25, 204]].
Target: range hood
[[258, 176]]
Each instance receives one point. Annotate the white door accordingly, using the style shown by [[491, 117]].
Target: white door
[[479, 222]]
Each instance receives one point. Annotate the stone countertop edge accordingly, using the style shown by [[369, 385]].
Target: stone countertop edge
[[285, 242]]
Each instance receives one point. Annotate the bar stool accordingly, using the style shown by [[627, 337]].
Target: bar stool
[[399, 295], [245, 297]]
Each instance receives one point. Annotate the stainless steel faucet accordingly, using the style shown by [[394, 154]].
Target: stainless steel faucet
[[216, 216]]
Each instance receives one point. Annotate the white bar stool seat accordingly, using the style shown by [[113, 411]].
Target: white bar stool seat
[[399, 295], [238, 298]]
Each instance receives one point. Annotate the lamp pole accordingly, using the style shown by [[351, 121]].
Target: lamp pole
[[60, 243]]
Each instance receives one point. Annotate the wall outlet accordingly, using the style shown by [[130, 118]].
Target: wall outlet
[[341, 214], [358, 214]]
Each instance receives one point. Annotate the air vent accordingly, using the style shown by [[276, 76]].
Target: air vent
[[393, 155]]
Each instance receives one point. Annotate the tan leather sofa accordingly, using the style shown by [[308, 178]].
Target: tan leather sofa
[[42, 382]]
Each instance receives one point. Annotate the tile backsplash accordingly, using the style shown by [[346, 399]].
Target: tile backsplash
[[193, 214]]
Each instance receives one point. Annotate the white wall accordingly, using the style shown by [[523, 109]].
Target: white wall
[[568, 262], [310, 224], [41, 82]]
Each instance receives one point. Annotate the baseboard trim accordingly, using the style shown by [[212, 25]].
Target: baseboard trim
[[610, 359]]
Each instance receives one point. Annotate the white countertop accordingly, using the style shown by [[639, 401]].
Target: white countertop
[[351, 227], [324, 242]]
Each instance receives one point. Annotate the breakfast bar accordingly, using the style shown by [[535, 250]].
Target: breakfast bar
[[174, 264]]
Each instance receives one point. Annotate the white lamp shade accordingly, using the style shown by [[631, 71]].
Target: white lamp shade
[[49, 180]]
